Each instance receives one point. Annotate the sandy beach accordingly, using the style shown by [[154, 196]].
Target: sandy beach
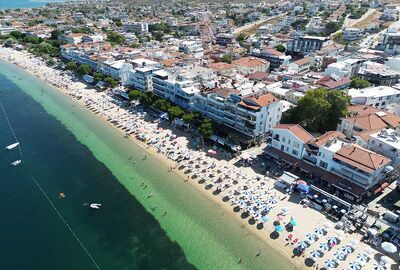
[[243, 193]]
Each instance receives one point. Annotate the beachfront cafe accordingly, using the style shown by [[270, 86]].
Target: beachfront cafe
[[287, 181]]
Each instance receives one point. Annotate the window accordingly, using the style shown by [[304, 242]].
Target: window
[[376, 104], [383, 103], [283, 139], [323, 164], [295, 152], [380, 98]]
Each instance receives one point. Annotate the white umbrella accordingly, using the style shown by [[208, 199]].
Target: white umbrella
[[311, 237], [327, 226], [324, 247], [340, 233], [332, 240], [339, 256], [386, 260], [369, 251], [329, 264], [302, 245], [319, 231], [354, 266], [362, 258], [315, 254], [347, 249], [379, 266], [389, 247], [354, 242]]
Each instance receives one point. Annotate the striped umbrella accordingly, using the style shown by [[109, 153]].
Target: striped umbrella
[[379, 266], [319, 231], [347, 249], [324, 247], [329, 264], [315, 254], [354, 266], [302, 245], [339, 256]]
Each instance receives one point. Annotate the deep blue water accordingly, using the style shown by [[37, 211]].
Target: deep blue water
[[123, 235]]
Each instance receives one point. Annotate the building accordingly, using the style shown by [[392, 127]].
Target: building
[[141, 78], [390, 13], [248, 117], [379, 96], [391, 41], [386, 142], [137, 27], [275, 57], [193, 47], [306, 44], [225, 39], [249, 65], [300, 66], [334, 82], [378, 73], [351, 34], [71, 38], [92, 38], [347, 68], [119, 70]]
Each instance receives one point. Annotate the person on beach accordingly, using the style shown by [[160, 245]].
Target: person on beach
[[145, 157], [258, 253], [165, 213], [150, 195], [240, 260]]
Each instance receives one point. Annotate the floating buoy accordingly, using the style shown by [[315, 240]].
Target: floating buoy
[[62, 195]]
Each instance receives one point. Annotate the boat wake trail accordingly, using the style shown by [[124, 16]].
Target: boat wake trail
[[48, 199]]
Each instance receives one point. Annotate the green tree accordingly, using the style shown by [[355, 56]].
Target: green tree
[[97, 76], [331, 27], [71, 66], [114, 38], [319, 110], [241, 37], [174, 112], [357, 82], [227, 58], [17, 34], [111, 81], [55, 34], [280, 48], [135, 94], [147, 99], [83, 69], [206, 128], [51, 62], [162, 104]]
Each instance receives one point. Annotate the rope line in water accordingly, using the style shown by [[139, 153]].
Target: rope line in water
[[65, 222], [12, 130], [48, 199]]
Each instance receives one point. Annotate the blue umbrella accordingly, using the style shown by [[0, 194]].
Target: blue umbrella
[[279, 228], [324, 247], [265, 218], [319, 231], [302, 245], [329, 264], [339, 256], [347, 249], [303, 188], [354, 266], [315, 254], [294, 222]]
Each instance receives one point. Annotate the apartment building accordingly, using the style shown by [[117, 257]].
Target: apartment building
[[140, 78], [117, 69], [386, 142], [351, 33], [137, 27], [378, 74], [249, 65], [71, 38], [193, 47], [391, 41], [275, 57], [225, 39], [379, 96], [306, 44], [300, 66], [251, 117], [347, 68]]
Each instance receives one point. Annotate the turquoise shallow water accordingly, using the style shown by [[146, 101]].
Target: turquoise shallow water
[[69, 150]]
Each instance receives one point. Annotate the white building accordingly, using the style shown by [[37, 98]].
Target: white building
[[379, 96], [141, 78], [92, 38], [351, 34], [137, 27], [390, 13], [193, 47], [346, 68], [391, 41], [71, 38], [387, 143], [117, 69]]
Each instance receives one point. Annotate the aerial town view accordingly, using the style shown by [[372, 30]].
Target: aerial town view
[[206, 135]]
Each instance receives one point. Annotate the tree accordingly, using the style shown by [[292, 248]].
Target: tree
[[83, 69], [280, 48], [162, 104], [17, 34], [135, 94], [227, 58], [55, 34], [174, 112], [71, 66], [97, 76], [241, 37], [206, 128], [146, 99], [111, 81], [51, 62], [319, 110], [357, 82], [115, 39], [331, 27]]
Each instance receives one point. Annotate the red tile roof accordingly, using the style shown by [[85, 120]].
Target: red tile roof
[[331, 83], [256, 103], [297, 131]]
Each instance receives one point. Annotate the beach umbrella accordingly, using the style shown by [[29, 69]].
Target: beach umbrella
[[369, 251], [311, 237], [386, 260], [347, 249], [362, 258], [332, 241], [324, 247], [327, 226], [354, 266], [265, 219], [319, 231], [339, 256], [379, 266], [315, 254], [329, 264], [340, 233], [303, 188], [354, 242], [389, 247], [302, 245], [279, 228], [293, 222]]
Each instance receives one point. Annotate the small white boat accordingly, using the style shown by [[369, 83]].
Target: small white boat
[[95, 205], [12, 146], [16, 163]]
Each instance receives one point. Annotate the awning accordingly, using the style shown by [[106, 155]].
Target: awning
[[288, 178]]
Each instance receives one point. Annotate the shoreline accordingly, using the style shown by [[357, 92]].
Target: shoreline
[[278, 245]]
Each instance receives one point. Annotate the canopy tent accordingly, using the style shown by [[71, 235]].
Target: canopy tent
[[389, 247], [288, 178]]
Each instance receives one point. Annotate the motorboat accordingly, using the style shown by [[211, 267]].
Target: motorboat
[[16, 163], [95, 205], [12, 146]]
